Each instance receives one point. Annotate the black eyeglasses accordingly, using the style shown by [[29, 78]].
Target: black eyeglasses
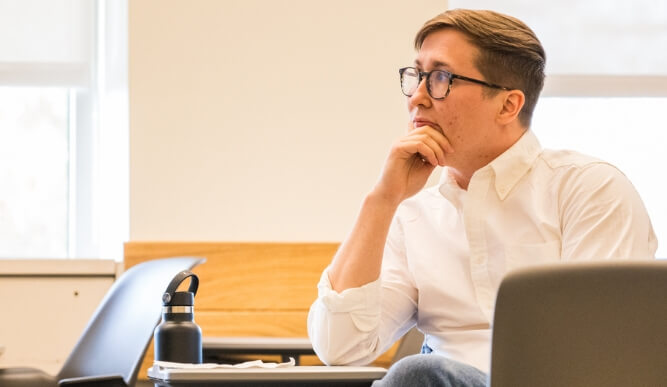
[[438, 82]]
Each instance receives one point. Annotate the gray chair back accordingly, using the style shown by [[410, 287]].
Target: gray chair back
[[582, 325], [117, 336]]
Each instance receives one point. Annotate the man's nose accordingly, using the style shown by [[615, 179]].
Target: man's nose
[[421, 97]]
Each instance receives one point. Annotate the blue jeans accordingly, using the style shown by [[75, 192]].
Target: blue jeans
[[427, 370]]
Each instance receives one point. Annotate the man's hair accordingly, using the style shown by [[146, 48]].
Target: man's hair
[[509, 52]]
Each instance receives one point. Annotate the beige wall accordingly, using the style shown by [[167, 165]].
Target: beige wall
[[43, 297], [263, 119]]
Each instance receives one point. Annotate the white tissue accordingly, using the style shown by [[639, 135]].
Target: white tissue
[[247, 364]]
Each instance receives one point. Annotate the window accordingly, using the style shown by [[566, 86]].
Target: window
[[34, 173], [606, 86], [63, 128]]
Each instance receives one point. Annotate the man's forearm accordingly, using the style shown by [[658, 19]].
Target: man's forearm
[[359, 259]]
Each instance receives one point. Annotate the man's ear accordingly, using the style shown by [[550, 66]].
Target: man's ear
[[512, 104]]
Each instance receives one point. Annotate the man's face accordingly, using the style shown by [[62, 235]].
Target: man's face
[[465, 116]]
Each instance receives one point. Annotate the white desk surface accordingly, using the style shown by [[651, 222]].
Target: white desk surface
[[330, 373], [257, 343]]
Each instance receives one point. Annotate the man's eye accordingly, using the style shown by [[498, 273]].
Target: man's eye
[[440, 76]]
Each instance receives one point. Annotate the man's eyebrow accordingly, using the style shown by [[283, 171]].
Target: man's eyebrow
[[436, 64]]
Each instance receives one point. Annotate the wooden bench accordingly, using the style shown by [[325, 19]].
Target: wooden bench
[[249, 289]]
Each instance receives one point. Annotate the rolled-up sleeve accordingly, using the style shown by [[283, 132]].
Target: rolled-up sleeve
[[357, 325]]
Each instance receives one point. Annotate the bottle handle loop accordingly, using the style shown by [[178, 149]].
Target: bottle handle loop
[[176, 281]]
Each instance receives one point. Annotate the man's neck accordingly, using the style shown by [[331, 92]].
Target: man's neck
[[463, 174]]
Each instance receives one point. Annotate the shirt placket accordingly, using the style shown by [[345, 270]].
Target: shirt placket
[[475, 210]]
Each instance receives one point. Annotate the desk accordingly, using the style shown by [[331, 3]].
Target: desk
[[215, 349], [316, 376]]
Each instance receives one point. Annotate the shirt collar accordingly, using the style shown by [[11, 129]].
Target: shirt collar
[[508, 168], [450, 189], [515, 162]]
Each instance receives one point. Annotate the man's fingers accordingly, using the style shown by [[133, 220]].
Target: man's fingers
[[427, 147], [440, 138], [436, 134], [419, 149]]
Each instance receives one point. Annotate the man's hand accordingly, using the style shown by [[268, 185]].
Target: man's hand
[[411, 161]]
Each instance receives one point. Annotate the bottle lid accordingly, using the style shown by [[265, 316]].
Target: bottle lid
[[181, 299], [171, 297]]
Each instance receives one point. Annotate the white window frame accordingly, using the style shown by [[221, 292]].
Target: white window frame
[[593, 85], [99, 133]]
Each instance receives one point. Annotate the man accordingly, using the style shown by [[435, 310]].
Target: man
[[435, 257]]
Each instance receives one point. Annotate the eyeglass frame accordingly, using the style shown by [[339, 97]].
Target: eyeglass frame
[[427, 75]]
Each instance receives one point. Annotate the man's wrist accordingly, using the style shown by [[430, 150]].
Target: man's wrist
[[382, 201]]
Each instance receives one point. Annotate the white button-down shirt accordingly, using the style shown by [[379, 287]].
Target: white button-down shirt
[[448, 250]]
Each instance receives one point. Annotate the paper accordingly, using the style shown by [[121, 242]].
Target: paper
[[247, 364]]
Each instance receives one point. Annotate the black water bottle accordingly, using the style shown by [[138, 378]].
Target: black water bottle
[[178, 337]]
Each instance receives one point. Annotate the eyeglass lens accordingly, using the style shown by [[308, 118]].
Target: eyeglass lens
[[438, 82]]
